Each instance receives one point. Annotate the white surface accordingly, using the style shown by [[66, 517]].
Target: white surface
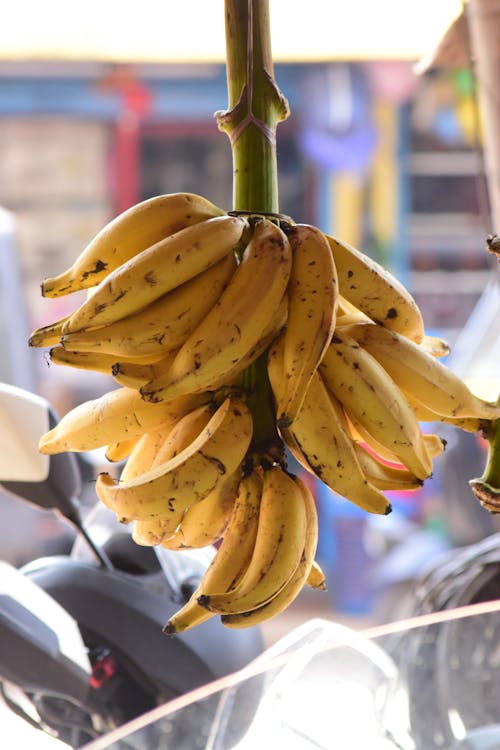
[[168, 31]]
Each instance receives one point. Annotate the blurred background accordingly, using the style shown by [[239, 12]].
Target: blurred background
[[102, 107]]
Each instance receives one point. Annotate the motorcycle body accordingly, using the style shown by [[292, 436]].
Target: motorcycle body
[[81, 644]]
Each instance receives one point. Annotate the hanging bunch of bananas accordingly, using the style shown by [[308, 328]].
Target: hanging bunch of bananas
[[184, 302]]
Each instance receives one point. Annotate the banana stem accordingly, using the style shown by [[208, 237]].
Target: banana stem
[[487, 487], [256, 106]]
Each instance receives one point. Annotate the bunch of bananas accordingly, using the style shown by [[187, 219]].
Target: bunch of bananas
[[184, 302]]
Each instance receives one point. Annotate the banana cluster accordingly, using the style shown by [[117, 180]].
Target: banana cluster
[[183, 300]]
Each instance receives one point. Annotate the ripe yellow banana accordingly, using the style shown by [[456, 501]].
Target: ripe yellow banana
[[384, 476], [235, 323], [94, 361], [279, 546], [312, 307], [151, 531], [127, 235], [143, 454], [204, 523], [320, 442], [420, 374], [369, 394], [191, 475], [163, 325], [232, 557], [296, 582], [157, 270], [48, 335], [272, 330], [434, 444], [122, 450], [316, 578], [435, 346], [424, 414], [118, 415], [134, 375], [376, 291]]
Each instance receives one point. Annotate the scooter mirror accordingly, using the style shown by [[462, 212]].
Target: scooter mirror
[[41, 647], [24, 417], [60, 487]]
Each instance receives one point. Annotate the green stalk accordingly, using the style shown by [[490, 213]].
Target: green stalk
[[486, 488], [255, 107]]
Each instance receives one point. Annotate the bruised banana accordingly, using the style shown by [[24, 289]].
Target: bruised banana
[[319, 440], [368, 393], [416, 372], [235, 324], [151, 531], [127, 235], [296, 582], [232, 557], [312, 306], [163, 325], [191, 475], [204, 523], [376, 291], [157, 270], [118, 415], [279, 546]]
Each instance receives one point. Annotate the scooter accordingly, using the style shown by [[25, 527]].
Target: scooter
[[81, 644]]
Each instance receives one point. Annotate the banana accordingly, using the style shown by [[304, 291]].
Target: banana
[[157, 270], [94, 361], [48, 335], [299, 578], [127, 235], [468, 424], [118, 415], [270, 332], [435, 346], [312, 308], [183, 433], [191, 475], [376, 291], [319, 440], [151, 531], [232, 557], [415, 371], [368, 393], [348, 313], [163, 325], [281, 536], [134, 375], [316, 578], [235, 323], [120, 451], [434, 444], [203, 524], [384, 476], [143, 454]]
